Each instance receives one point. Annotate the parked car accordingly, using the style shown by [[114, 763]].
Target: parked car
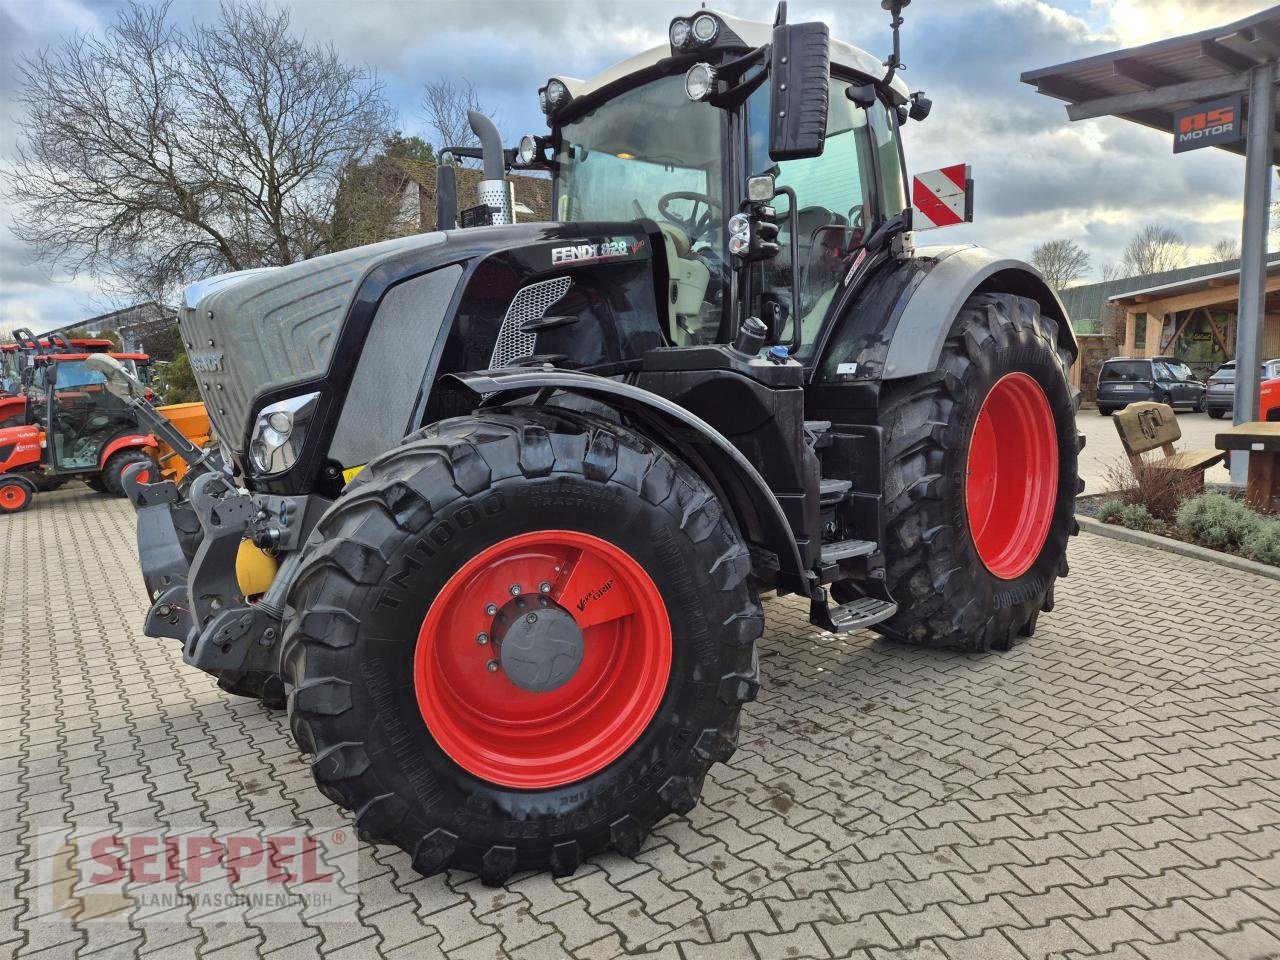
[[1221, 398], [1126, 380]]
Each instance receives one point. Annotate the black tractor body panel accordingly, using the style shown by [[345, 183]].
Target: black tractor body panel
[[371, 331], [893, 325]]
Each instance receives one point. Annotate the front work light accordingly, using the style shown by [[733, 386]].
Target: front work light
[[553, 97], [679, 34], [700, 81], [705, 28], [278, 434], [529, 150]]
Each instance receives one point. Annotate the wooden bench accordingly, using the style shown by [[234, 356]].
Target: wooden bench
[[1147, 426], [1262, 440]]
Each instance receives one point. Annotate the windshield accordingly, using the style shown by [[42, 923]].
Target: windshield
[[76, 373], [652, 152], [1131, 370]]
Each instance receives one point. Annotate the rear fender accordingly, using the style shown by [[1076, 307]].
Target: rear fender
[[897, 322], [124, 443], [745, 493]]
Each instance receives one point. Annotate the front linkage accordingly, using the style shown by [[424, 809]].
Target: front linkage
[[191, 540]]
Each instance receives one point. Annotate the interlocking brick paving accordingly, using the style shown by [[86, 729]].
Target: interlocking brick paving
[[1111, 787]]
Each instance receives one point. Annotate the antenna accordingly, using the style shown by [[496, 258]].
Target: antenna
[[894, 63]]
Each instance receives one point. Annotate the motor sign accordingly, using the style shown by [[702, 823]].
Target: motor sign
[[1208, 125]]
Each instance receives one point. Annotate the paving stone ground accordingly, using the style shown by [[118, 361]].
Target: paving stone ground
[[1111, 787]]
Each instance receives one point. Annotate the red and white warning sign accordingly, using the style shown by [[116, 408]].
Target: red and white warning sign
[[943, 198]]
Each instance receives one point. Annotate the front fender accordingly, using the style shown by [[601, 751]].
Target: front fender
[[124, 443], [898, 322], [721, 464]]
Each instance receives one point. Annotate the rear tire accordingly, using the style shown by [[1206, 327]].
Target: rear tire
[[1201, 405], [1105, 411], [112, 476], [395, 547], [946, 593], [1217, 414]]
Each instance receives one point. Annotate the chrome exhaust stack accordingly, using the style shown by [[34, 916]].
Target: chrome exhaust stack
[[494, 192]]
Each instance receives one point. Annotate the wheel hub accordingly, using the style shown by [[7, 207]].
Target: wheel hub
[[1011, 476], [539, 644], [543, 659]]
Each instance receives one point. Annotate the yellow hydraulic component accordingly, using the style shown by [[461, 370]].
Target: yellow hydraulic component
[[254, 569], [350, 474], [192, 421]]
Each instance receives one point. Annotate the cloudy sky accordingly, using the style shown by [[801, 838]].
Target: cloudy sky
[[1038, 177]]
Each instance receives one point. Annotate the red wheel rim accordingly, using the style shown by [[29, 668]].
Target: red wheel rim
[[13, 496], [1011, 477], [508, 735]]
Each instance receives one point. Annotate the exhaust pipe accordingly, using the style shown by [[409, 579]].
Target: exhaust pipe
[[493, 191]]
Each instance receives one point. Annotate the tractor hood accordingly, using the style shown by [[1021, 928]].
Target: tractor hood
[[371, 329]]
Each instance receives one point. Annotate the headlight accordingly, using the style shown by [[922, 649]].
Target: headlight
[[700, 81], [705, 28], [679, 33], [278, 434]]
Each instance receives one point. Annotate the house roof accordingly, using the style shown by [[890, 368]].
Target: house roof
[[533, 192], [1137, 83]]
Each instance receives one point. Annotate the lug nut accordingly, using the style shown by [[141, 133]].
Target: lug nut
[[482, 638], [515, 590], [492, 666], [544, 587], [491, 609], [531, 618]]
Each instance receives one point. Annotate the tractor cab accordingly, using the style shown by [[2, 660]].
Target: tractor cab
[[80, 417], [10, 374], [720, 137]]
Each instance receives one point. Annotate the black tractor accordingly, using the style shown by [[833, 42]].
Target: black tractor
[[504, 500]]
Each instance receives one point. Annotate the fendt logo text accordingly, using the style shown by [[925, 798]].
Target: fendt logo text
[[603, 250]]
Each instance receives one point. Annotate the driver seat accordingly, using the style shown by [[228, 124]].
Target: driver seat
[[689, 278]]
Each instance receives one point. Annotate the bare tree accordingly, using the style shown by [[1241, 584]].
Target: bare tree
[[445, 105], [1224, 249], [154, 155], [1153, 249], [1062, 262]]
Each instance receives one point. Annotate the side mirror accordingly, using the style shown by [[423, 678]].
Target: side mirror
[[118, 380], [799, 86]]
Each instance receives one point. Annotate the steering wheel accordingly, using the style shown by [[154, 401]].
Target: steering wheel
[[695, 225]]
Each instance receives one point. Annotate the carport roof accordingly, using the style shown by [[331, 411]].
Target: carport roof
[[1226, 278], [1137, 83]]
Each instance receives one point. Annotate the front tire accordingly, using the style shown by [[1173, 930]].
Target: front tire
[[399, 688], [980, 480], [1217, 413], [16, 494], [112, 476]]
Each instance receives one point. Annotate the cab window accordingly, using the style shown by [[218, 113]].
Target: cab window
[[836, 203]]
